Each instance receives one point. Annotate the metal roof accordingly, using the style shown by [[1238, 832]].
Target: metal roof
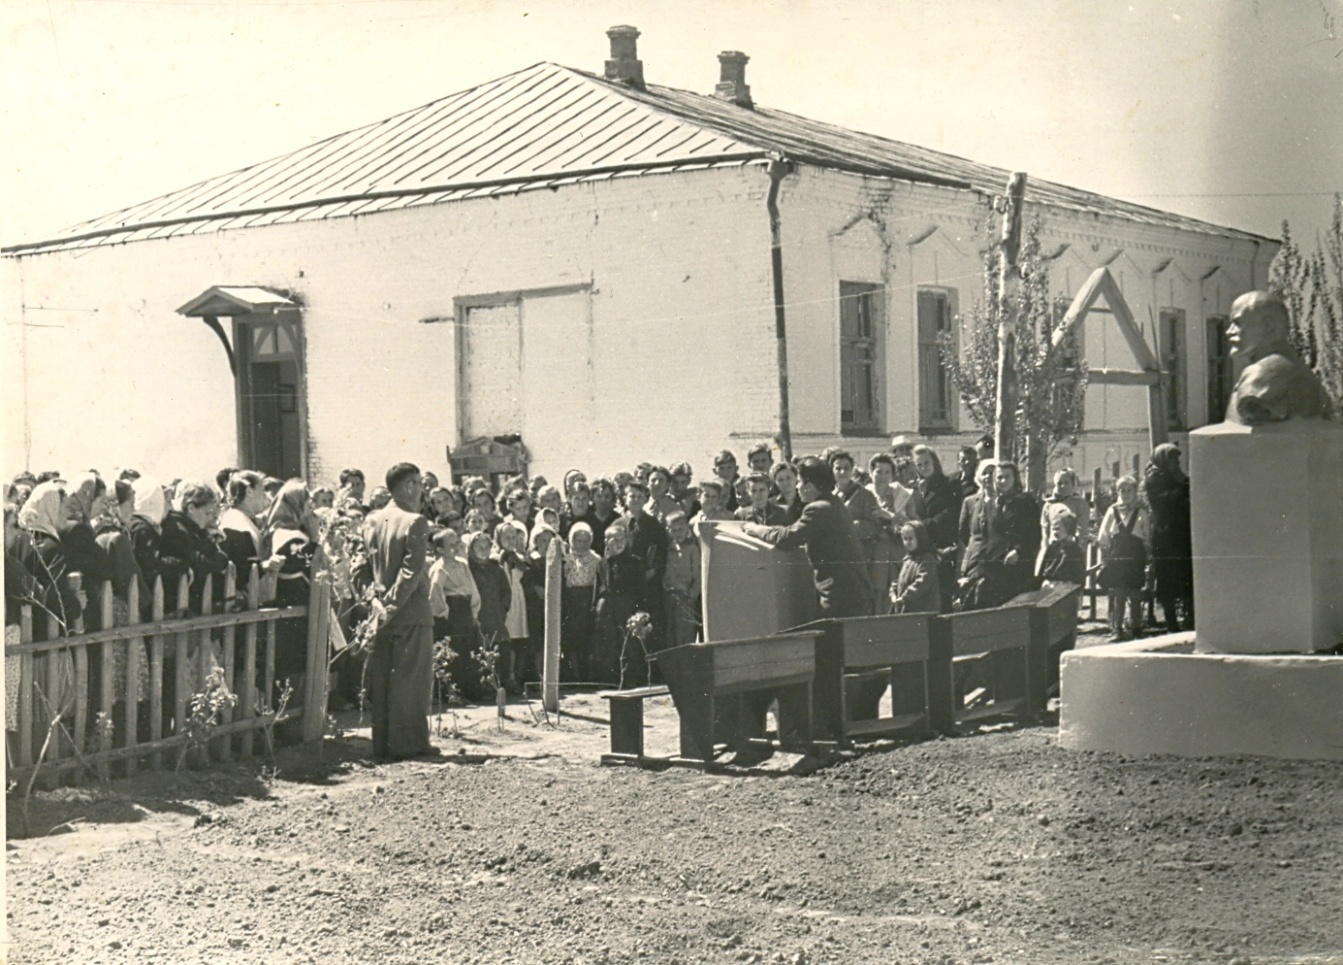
[[541, 127]]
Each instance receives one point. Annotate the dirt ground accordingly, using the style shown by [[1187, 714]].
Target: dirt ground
[[519, 847]]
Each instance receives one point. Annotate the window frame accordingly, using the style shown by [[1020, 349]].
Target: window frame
[[862, 350], [928, 424]]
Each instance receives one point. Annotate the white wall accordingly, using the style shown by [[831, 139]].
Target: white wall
[[678, 268]]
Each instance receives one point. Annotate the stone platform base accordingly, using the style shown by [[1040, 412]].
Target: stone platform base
[[1156, 696]]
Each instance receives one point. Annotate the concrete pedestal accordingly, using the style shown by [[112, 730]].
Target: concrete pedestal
[[1149, 697], [1267, 515]]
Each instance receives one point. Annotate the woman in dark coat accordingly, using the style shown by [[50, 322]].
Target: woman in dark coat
[[1166, 489], [937, 502], [186, 546]]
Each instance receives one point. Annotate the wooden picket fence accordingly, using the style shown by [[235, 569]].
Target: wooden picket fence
[[98, 730]]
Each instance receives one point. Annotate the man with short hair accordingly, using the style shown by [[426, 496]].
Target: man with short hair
[[760, 509], [759, 458], [400, 670], [725, 468], [839, 566]]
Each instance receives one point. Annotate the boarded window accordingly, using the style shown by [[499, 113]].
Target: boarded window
[[1173, 364], [491, 371], [937, 396], [1219, 368], [860, 328]]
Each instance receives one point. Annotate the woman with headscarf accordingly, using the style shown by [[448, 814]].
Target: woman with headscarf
[[289, 542], [145, 528], [56, 594], [1166, 489], [110, 532]]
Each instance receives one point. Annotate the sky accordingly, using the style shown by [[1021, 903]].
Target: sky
[[1225, 110]]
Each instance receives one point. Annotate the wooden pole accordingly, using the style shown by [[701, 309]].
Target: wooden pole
[[778, 169], [550, 669], [1009, 243]]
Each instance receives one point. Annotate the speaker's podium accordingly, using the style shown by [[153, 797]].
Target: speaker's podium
[[722, 687]]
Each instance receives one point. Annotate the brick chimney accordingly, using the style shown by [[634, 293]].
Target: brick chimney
[[625, 67], [731, 85]]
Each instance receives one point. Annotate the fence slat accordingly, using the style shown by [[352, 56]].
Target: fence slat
[[224, 746], [204, 662], [319, 660], [181, 663], [156, 675], [107, 666], [81, 695], [26, 666], [270, 664], [132, 695], [247, 690]]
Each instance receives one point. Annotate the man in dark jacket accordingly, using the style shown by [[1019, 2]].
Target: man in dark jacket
[[400, 665], [826, 529]]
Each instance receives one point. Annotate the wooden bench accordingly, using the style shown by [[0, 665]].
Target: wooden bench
[[879, 651], [721, 689], [1053, 622], [627, 723], [991, 650]]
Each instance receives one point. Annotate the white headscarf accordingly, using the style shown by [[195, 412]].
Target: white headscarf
[[42, 513], [149, 499]]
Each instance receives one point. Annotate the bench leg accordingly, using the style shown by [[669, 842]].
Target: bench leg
[[627, 727]]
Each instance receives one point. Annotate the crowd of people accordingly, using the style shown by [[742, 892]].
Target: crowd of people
[[414, 560]]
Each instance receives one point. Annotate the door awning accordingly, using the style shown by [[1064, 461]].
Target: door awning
[[235, 300], [220, 300]]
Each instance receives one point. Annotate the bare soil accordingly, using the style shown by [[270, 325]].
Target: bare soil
[[519, 847]]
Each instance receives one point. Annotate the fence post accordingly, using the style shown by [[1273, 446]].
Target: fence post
[[550, 668], [156, 675], [319, 617], [204, 659], [247, 692], [134, 651], [106, 690], [181, 663], [26, 682], [224, 745]]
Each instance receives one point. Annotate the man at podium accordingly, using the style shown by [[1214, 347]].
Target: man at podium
[[826, 530]]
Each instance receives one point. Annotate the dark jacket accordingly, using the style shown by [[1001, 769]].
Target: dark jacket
[[496, 595], [185, 548], [54, 601], [838, 563], [937, 501]]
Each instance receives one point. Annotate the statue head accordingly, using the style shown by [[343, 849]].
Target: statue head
[[1258, 320]]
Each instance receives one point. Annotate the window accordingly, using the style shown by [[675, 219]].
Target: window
[[937, 396], [860, 327], [1219, 368], [1173, 364]]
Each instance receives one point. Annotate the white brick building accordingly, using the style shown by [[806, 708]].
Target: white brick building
[[584, 261]]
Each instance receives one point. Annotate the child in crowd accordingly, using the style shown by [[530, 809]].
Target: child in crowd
[[1064, 499], [620, 580], [681, 582], [495, 596], [578, 603], [712, 507], [918, 589], [1123, 539], [476, 522], [577, 509], [456, 603], [534, 583], [1061, 560], [515, 658], [758, 508], [548, 497]]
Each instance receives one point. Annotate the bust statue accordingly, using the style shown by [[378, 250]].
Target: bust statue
[[1275, 384]]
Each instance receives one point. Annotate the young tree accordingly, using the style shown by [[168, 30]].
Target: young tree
[[1312, 287], [1052, 382]]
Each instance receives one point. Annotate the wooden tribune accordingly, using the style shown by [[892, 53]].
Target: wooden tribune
[[990, 673], [58, 693], [718, 687], [897, 649], [1053, 623]]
